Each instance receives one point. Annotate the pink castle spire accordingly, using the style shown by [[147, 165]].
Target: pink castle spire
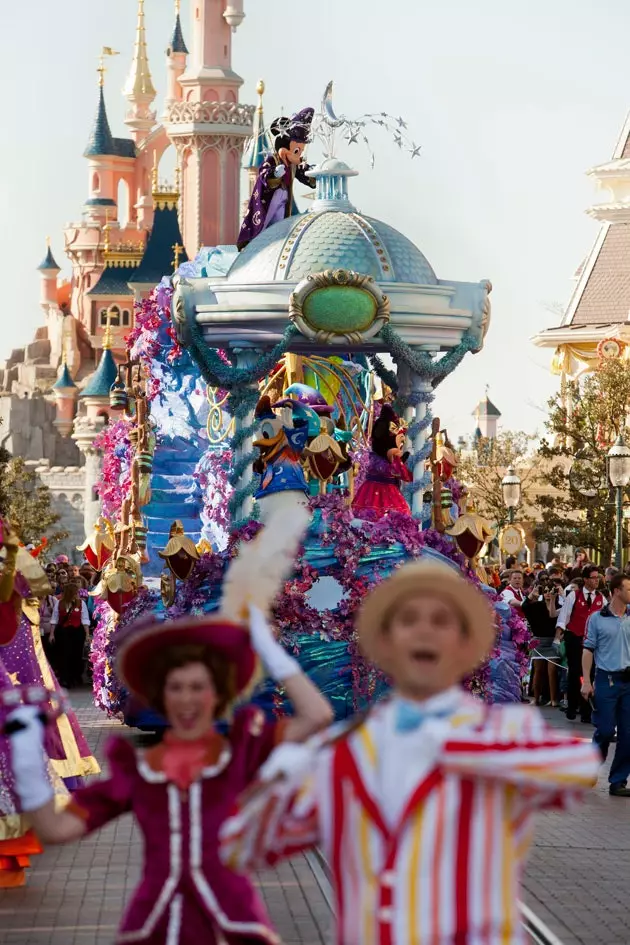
[[209, 128]]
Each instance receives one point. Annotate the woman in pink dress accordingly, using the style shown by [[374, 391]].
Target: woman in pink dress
[[181, 791]]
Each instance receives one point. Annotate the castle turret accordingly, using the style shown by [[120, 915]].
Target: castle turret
[[164, 250], [175, 60], [95, 412], [139, 89], [209, 129], [65, 391], [49, 270], [110, 161], [486, 415], [260, 143]]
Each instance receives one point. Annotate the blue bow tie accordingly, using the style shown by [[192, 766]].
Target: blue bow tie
[[409, 717]]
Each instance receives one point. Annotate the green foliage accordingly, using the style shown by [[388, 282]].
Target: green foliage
[[26, 502], [584, 420], [484, 469]]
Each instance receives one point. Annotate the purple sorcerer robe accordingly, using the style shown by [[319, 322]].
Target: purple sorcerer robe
[[186, 895], [266, 186]]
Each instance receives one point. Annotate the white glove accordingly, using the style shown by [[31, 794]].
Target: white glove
[[279, 171], [274, 657], [28, 758], [288, 760]]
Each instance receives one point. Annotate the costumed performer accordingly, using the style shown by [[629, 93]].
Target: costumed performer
[[272, 196], [380, 493], [181, 791], [26, 663], [17, 841], [423, 808]]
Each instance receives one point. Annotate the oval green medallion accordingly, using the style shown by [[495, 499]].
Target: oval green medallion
[[339, 308]]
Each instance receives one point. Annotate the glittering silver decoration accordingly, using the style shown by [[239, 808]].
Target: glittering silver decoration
[[328, 128]]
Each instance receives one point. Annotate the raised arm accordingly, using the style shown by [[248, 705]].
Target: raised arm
[[312, 711], [519, 749], [565, 613]]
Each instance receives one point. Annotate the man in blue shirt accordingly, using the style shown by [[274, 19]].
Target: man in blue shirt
[[607, 643]]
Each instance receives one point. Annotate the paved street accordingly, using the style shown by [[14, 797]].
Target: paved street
[[75, 894], [576, 880], [577, 876]]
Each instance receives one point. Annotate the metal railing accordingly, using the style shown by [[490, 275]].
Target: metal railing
[[535, 928]]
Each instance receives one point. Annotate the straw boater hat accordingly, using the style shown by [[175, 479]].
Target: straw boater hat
[[254, 577], [437, 580]]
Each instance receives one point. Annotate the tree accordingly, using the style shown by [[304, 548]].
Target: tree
[[584, 420], [483, 470], [26, 502]]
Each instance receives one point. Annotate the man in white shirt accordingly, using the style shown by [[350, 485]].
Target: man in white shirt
[[571, 626], [513, 593]]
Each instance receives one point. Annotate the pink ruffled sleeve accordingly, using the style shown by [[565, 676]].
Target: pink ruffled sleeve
[[108, 798]]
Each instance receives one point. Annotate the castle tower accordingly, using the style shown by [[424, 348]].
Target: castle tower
[[65, 391], [260, 143], [95, 412], [175, 61], [209, 128], [486, 415], [49, 271], [139, 89], [164, 250]]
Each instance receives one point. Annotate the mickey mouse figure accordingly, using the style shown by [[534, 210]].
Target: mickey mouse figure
[[380, 492], [272, 197]]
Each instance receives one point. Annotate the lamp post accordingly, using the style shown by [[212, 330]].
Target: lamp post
[[618, 460], [511, 488]]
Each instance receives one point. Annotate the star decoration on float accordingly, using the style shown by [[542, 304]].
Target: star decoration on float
[[327, 125]]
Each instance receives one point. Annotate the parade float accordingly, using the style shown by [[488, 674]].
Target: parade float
[[301, 366]]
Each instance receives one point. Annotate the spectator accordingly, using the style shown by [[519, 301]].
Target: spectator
[[577, 608], [580, 558], [540, 608], [510, 562], [607, 644], [513, 593], [71, 624]]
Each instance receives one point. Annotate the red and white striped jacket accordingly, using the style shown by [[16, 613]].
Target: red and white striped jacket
[[439, 863]]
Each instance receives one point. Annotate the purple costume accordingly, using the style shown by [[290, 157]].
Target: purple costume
[[26, 663], [272, 197], [186, 895]]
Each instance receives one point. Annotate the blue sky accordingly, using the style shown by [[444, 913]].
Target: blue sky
[[511, 102]]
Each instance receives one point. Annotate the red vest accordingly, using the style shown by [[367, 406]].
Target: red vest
[[72, 618], [581, 612]]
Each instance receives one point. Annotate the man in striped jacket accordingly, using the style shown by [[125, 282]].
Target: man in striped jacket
[[423, 807]]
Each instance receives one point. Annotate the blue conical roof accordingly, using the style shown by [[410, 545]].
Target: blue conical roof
[[48, 262], [101, 381], [159, 254], [100, 140], [64, 381], [177, 40]]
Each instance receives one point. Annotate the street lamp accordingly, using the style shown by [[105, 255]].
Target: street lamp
[[511, 488], [618, 458]]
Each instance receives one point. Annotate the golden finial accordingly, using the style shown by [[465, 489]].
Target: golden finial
[[106, 232], [48, 242], [260, 88], [178, 250], [178, 4], [107, 337], [105, 51]]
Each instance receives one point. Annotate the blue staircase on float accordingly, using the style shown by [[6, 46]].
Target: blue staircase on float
[[175, 494]]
